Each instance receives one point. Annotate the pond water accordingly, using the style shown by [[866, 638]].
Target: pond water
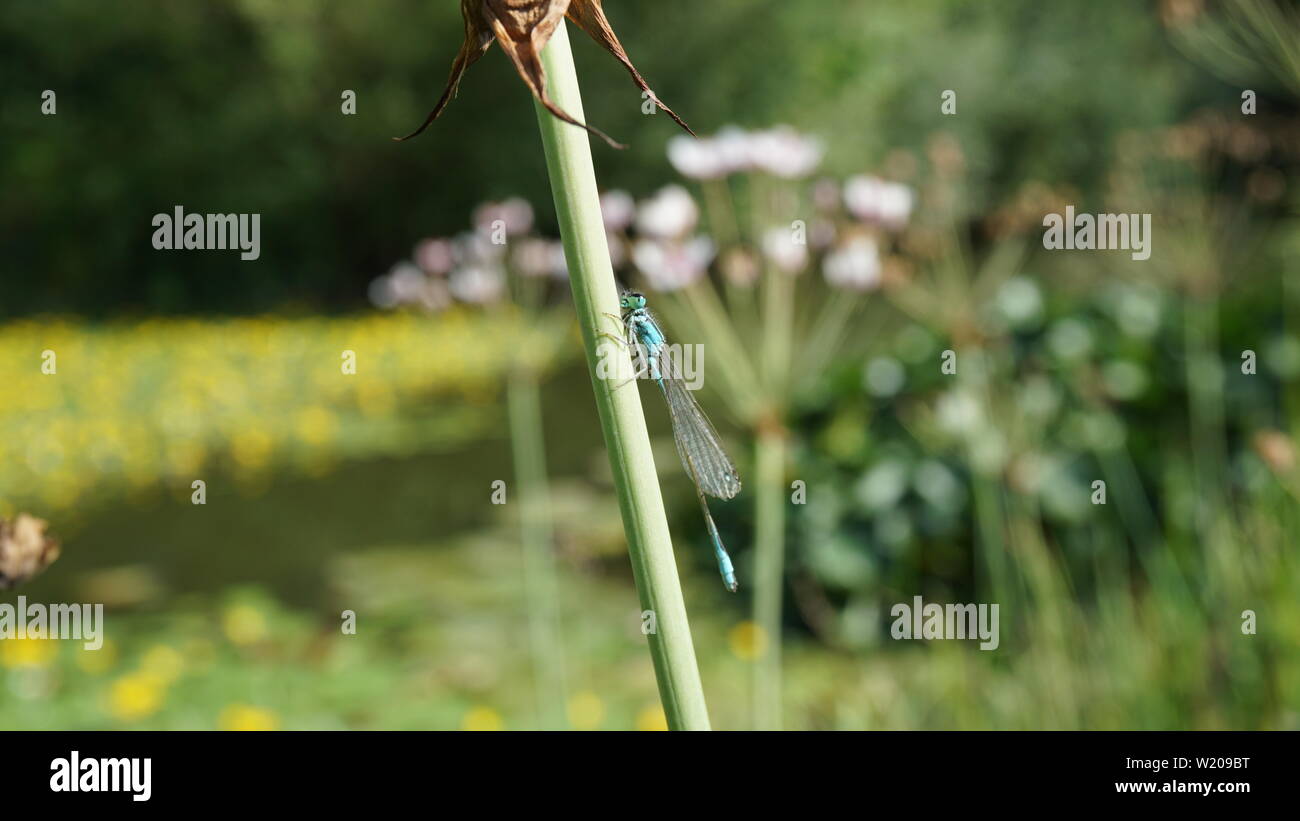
[[282, 534]]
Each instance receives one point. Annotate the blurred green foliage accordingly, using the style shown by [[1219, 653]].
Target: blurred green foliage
[[234, 106], [1071, 369]]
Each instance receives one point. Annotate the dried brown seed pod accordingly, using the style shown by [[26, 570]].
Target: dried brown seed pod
[[25, 550], [523, 28]]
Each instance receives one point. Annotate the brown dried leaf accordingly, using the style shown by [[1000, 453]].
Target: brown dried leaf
[[523, 28], [478, 37], [590, 17], [25, 550]]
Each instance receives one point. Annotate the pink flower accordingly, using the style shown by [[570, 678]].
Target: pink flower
[[668, 266], [826, 195], [535, 257], [855, 265], [515, 216], [780, 248], [821, 234], [709, 158], [669, 214], [740, 267], [435, 256], [476, 249], [477, 284], [874, 200], [732, 147], [780, 151], [618, 209], [694, 158], [784, 152], [405, 285]]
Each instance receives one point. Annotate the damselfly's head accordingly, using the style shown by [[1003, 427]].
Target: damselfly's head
[[632, 301]]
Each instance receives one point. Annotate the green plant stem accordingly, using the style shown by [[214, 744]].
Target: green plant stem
[[537, 536], [769, 573], [577, 206], [778, 336]]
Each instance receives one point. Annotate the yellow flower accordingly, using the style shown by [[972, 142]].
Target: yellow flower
[[375, 399], [748, 641], [135, 696], [251, 390], [316, 425], [586, 710], [247, 717], [252, 448], [244, 624], [97, 661], [482, 718], [17, 653], [652, 718], [185, 458], [163, 662]]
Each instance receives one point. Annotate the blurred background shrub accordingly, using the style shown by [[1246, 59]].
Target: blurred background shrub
[[234, 105], [370, 492]]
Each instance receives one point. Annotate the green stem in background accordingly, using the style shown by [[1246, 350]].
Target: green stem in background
[[769, 573], [537, 535], [622, 420], [778, 331], [990, 522], [827, 334], [776, 352], [740, 373], [1205, 399]]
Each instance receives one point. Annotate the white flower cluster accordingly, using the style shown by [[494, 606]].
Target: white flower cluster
[[471, 267], [659, 235], [780, 151]]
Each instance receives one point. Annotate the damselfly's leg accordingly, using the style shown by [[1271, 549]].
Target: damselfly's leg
[[625, 342], [644, 364], [640, 372], [624, 382], [622, 343], [618, 321]]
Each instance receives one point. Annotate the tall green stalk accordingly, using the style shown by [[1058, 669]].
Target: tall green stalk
[[769, 573], [595, 294], [537, 535]]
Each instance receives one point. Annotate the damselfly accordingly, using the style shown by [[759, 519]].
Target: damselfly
[[698, 444]]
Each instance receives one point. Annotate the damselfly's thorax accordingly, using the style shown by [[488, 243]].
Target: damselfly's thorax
[[642, 328], [645, 331]]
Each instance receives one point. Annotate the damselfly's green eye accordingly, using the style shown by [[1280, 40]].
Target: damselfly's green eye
[[633, 300]]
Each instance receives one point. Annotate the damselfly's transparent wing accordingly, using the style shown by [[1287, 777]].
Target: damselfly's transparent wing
[[697, 441]]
